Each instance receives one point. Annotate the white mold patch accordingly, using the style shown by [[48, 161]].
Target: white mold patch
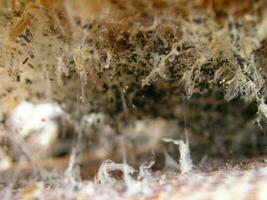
[[37, 122], [185, 157]]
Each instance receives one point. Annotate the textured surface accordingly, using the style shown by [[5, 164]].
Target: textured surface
[[118, 77], [226, 183], [172, 61]]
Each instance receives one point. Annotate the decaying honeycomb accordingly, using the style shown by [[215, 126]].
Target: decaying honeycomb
[[114, 78]]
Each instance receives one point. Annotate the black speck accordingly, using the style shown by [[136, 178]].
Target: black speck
[[28, 81], [25, 61], [30, 65], [18, 78]]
